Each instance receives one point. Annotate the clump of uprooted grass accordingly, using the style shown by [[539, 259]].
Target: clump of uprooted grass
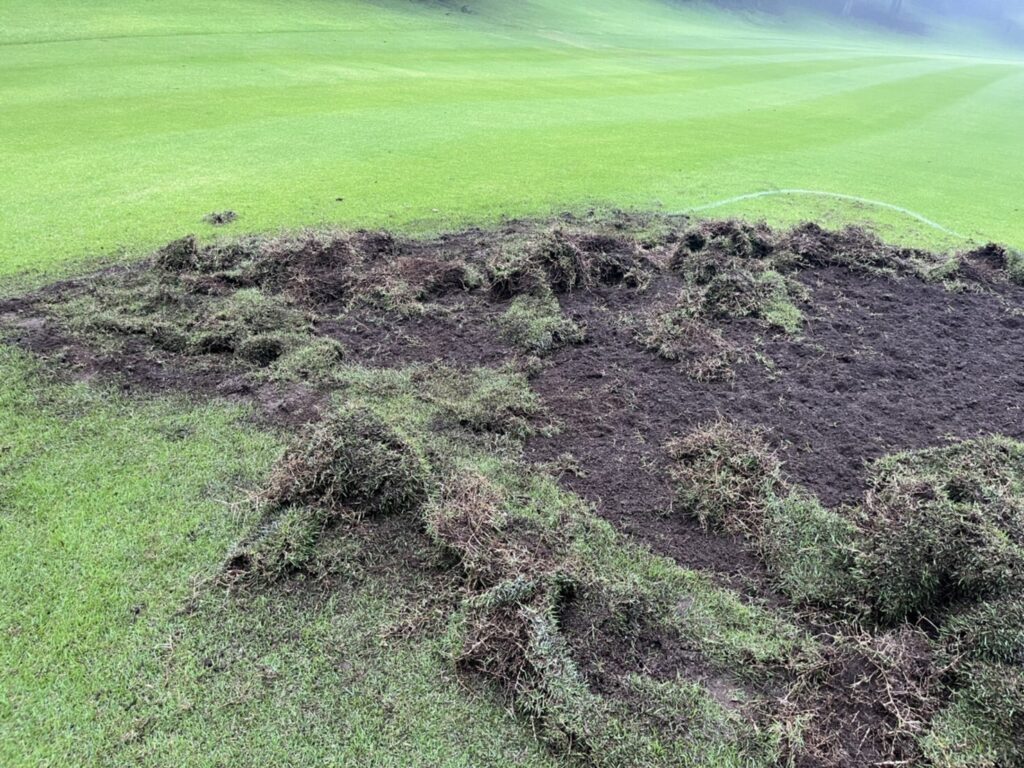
[[255, 326], [322, 271], [314, 269], [944, 525], [536, 325], [811, 550], [1015, 267], [523, 566], [682, 336], [936, 526], [938, 539], [729, 478], [255, 329], [854, 247], [469, 405], [710, 248], [733, 271], [349, 466], [561, 262], [317, 360], [989, 263], [352, 461], [724, 476], [532, 273], [482, 400]]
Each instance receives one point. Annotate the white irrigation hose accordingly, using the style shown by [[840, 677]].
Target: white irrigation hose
[[853, 198]]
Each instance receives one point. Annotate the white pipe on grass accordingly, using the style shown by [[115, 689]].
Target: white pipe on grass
[[835, 195]]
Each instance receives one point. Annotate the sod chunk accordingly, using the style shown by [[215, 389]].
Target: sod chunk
[[725, 476], [353, 461], [945, 525], [179, 255]]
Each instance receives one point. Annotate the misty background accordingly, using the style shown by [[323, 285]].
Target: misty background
[[1003, 18], [990, 9]]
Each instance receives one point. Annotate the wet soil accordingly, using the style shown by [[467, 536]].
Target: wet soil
[[882, 364]]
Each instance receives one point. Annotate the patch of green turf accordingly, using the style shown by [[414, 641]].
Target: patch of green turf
[[811, 550], [112, 514], [124, 123], [109, 510], [320, 677]]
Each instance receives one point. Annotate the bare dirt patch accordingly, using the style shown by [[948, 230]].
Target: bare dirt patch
[[882, 365]]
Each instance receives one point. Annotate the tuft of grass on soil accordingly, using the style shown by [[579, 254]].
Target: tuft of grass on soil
[[778, 309], [316, 361], [724, 476], [352, 462], [683, 337], [733, 270], [1015, 267], [938, 539], [536, 325]]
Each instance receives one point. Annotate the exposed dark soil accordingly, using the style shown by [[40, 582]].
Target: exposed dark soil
[[137, 368], [460, 333], [883, 363], [606, 659]]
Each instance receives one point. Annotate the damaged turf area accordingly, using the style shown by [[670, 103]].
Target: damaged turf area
[[675, 493]]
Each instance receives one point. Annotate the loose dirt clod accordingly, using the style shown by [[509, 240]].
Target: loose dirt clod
[[220, 218]]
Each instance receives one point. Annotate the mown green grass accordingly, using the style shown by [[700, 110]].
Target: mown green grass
[[113, 514], [125, 123]]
